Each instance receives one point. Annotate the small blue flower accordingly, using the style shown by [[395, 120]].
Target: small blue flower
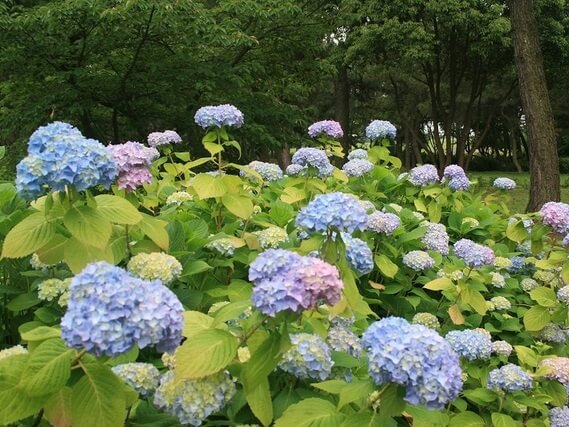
[[268, 171], [142, 377], [342, 339], [510, 377], [312, 158], [418, 260], [328, 128], [559, 417], [473, 254], [382, 222], [424, 175], [358, 153], [357, 167], [436, 238], [358, 253]]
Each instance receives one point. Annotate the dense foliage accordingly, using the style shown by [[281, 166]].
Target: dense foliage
[[245, 296]]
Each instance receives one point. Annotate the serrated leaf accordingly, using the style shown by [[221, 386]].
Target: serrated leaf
[[474, 299], [40, 333], [516, 232], [23, 302], [526, 355], [544, 296], [240, 206], [259, 400], [117, 210], [78, 254], [440, 284], [311, 412], [354, 391], [212, 147], [27, 236], [456, 315], [195, 322], [467, 419], [206, 353], [264, 360], [503, 420], [54, 251], [387, 267], [88, 226], [58, 408], [156, 230], [230, 311], [536, 318], [331, 386], [207, 186], [193, 267], [292, 195]]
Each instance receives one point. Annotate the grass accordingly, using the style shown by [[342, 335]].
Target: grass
[[519, 196]]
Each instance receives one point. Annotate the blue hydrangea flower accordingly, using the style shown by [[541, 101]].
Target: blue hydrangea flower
[[358, 153], [504, 183], [382, 222], [473, 254], [142, 377], [332, 211], [110, 311], [509, 377], [552, 332], [294, 169], [272, 262], [218, 116], [415, 357], [342, 339], [563, 295], [502, 348], [358, 253], [559, 417], [436, 238], [45, 136], [520, 265], [329, 128], [380, 129], [424, 175], [357, 167], [459, 184], [308, 358], [192, 401], [167, 137], [456, 178], [268, 171], [418, 260], [470, 344], [313, 158]]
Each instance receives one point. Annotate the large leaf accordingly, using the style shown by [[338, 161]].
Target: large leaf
[[78, 255], [117, 210], [196, 322], [88, 226], [259, 400], [387, 267], [544, 296], [536, 318], [503, 420], [156, 230], [440, 284], [311, 412], [27, 236], [58, 408], [240, 206], [206, 353], [263, 360], [207, 186], [53, 251], [467, 419], [98, 398]]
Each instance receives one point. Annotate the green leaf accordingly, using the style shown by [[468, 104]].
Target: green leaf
[[206, 353], [88, 226], [467, 419], [412, 235], [536, 318], [259, 400], [212, 148], [387, 267], [435, 211], [474, 299], [263, 361], [117, 210], [27, 236], [311, 412], [440, 284], [423, 417], [281, 213], [193, 267], [367, 419], [53, 252], [230, 311], [78, 255], [195, 322], [544, 296], [354, 391], [392, 403], [235, 145], [503, 420], [556, 391], [58, 408], [207, 186], [480, 396], [517, 232], [48, 369], [240, 206], [526, 355], [292, 195], [40, 333], [155, 229], [23, 302], [98, 397], [331, 386]]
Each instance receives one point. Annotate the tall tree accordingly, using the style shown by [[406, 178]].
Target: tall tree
[[543, 158]]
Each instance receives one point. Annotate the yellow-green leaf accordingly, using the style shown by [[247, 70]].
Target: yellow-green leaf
[[88, 226], [27, 236], [240, 206], [440, 284], [117, 210]]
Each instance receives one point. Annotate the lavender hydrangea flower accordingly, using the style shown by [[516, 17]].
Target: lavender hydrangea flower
[[358, 153], [473, 254], [167, 137], [329, 128], [418, 260], [424, 175], [133, 161], [504, 183], [380, 129], [357, 167], [142, 377], [271, 263], [556, 215], [110, 311], [502, 348], [308, 358], [436, 238], [559, 417], [358, 253], [295, 169], [332, 211], [342, 339], [313, 158], [510, 377], [269, 171], [219, 115], [456, 178], [415, 357], [381, 222], [558, 369], [470, 344]]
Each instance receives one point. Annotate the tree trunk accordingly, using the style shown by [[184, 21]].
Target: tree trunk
[[342, 105], [543, 158]]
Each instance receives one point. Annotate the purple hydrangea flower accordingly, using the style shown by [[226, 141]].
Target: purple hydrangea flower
[[552, 332], [329, 128], [313, 158], [418, 260], [473, 254], [156, 139], [453, 171], [380, 129], [358, 153], [504, 183], [558, 369], [510, 377], [559, 417], [556, 215], [436, 238], [470, 344], [381, 222], [456, 178], [357, 167], [563, 295], [308, 358], [424, 175], [358, 253], [332, 211], [218, 116], [133, 161], [415, 357]]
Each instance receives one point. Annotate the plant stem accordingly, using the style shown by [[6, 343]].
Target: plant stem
[[219, 154], [245, 337], [37, 419], [78, 357]]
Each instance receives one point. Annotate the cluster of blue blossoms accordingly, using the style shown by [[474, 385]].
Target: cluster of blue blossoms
[[504, 183], [415, 357], [328, 128], [383, 222], [337, 211], [474, 254], [424, 175], [380, 129], [436, 238], [509, 377], [357, 167], [308, 358], [418, 260], [307, 160], [59, 156], [358, 253], [559, 417], [470, 344], [110, 311], [268, 171], [218, 116], [456, 178], [142, 377], [358, 153], [340, 338]]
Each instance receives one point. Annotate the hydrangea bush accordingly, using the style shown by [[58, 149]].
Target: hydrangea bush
[[142, 290]]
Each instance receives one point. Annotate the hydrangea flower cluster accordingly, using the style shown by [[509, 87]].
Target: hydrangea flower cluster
[[559, 417], [328, 128], [285, 280], [59, 156], [294, 169], [269, 171], [142, 377], [342, 339], [418, 260], [502, 263], [13, 351], [308, 358], [357, 167], [436, 238], [552, 332], [563, 295], [167, 137], [428, 320], [497, 280], [179, 197], [380, 129], [381, 222], [424, 175], [50, 289], [218, 116], [471, 222], [528, 284], [473, 254], [36, 263], [504, 183], [500, 303], [456, 178], [558, 367], [224, 246], [155, 266], [358, 253], [368, 206], [358, 153], [192, 401], [556, 215], [311, 158], [415, 357], [470, 344], [509, 377], [110, 311], [521, 265], [332, 211], [133, 161], [502, 348], [544, 276], [271, 237]]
